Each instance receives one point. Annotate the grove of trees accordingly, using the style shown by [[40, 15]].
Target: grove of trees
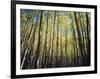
[[51, 39]]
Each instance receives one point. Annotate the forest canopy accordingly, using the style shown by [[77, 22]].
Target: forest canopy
[[51, 39]]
